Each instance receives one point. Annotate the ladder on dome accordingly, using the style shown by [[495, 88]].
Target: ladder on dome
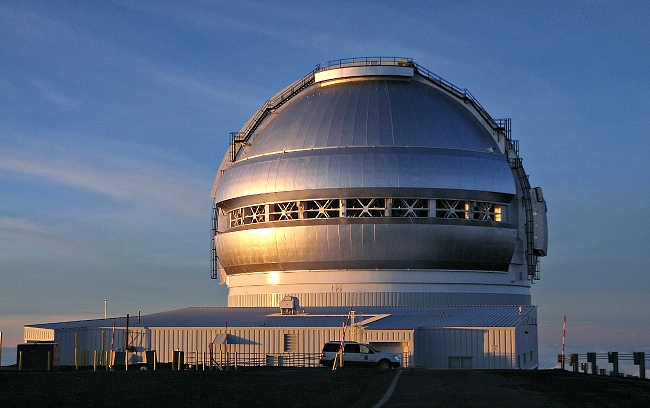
[[238, 139], [532, 260], [215, 258]]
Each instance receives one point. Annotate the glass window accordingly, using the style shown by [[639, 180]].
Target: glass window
[[367, 207], [460, 362], [351, 348], [365, 349]]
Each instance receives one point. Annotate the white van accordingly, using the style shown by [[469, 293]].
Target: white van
[[358, 354]]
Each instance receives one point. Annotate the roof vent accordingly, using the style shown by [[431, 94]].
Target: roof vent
[[289, 305]]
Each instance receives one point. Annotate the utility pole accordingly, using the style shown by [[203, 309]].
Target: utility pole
[[563, 336]]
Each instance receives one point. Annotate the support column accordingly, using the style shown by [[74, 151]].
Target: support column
[[591, 358], [612, 357], [639, 359]]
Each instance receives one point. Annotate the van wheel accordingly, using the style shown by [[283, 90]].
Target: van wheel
[[384, 365]]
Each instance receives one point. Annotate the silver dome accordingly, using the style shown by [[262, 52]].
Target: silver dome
[[371, 170]]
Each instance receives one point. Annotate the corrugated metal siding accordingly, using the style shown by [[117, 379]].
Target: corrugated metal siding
[[498, 349], [381, 299], [388, 336], [431, 347], [247, 342], [489, 348], [37, 334], [88, 339], [244, 340], [526, 339]]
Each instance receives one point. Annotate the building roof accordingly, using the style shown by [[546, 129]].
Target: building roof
[[404, 318]]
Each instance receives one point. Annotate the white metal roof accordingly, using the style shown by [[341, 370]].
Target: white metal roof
[[375, 318]]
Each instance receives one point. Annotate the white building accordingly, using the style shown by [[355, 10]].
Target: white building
[[436, 337], [369, 184]]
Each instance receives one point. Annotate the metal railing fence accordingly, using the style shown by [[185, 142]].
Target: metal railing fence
[[222, 359]]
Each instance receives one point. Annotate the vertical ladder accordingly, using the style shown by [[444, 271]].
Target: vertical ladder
[[215, 259], [531, 259]]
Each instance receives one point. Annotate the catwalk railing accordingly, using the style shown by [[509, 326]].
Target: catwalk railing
[[239, 139], [589, 362]]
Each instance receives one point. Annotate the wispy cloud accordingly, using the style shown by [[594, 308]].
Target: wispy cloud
[[124, 172], [18, 225], [188, 85], [51, 94], [30, 25]]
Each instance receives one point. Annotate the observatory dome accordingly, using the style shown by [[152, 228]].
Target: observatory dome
[[374, 182]]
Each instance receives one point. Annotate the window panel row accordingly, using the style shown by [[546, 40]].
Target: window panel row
[[367, 207]]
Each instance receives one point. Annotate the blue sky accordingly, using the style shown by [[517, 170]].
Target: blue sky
[[114, 117]]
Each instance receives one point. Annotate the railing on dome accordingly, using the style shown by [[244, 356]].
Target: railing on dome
[[461, 93], [238, 139], [365, 61], [502, 126]]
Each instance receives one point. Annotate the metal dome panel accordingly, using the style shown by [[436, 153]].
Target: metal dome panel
[[367, 246], [392, 168], [369, 113]]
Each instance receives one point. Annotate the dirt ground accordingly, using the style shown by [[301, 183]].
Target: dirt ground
[[318, 387]]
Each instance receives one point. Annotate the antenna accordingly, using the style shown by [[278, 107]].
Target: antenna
[[563, 336]]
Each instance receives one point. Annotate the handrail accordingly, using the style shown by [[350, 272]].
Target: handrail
[[462, 93], [205, 359], [501, 125], [292, 90], [365, 61], [268, 107]]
